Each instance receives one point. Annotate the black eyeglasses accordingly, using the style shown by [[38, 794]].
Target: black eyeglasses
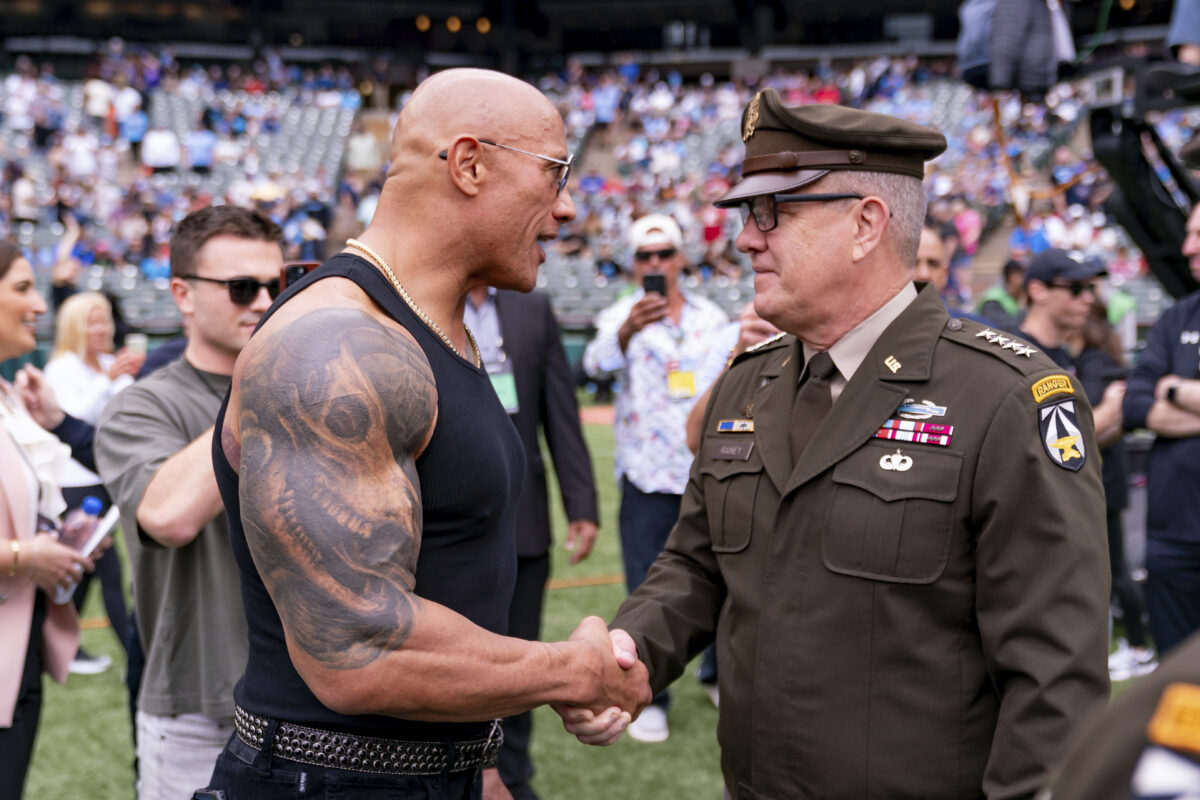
[[242, 291], [563, 175], [1076, 288], [663, 255], [765, 207]]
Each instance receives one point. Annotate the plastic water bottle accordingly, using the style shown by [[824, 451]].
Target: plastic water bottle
[[76, 530]]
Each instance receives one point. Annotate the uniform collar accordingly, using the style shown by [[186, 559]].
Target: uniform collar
[[849, 352]]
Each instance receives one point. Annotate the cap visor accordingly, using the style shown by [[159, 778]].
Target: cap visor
[[1084, 272], [768, 183]]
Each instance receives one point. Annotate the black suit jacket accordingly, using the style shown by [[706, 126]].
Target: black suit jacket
[[546, 397]]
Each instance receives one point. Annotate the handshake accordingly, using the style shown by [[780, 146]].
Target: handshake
[[620, 681]]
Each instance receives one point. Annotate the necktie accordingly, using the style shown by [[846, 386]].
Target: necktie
[[813, 402]]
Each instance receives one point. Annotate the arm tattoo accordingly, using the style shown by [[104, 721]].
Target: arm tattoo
[[333, 408]]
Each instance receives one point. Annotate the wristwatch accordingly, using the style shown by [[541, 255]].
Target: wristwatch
[[1171, 390]]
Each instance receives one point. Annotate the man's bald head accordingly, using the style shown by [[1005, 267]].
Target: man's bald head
[[468, 102]]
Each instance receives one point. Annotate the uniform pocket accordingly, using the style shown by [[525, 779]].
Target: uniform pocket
[[731, 492], [892, 513]]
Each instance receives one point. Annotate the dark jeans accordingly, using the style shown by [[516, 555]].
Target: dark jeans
[[1127, 592], [646, 520], [524, 622], [1172, 593], [244, 773], [16, 742]]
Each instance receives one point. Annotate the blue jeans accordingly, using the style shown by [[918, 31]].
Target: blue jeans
[[244, 773], [646, 520]]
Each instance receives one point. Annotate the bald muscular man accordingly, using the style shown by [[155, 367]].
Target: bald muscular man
[[371, 475]]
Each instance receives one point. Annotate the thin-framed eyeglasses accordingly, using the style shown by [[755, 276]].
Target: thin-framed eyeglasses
[[765, 207], [242, 291], [566, 165]]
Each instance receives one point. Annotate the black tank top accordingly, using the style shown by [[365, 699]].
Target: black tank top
[[470, 476]]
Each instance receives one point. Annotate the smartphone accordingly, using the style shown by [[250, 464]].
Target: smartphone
[[655, 282], [293, 271]]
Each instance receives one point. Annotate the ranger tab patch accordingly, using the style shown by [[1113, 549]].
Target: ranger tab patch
[[1052, 385], [1061, 436]]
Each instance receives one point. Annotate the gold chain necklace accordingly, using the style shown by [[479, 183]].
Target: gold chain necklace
[[383, 265]]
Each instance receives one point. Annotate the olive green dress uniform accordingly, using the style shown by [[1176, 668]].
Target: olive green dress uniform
[[893, 619]]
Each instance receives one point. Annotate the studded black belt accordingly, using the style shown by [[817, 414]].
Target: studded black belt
[[368, 753]]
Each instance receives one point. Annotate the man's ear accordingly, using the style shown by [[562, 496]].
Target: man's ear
[[465, 163], [870, 225], [181, 293]]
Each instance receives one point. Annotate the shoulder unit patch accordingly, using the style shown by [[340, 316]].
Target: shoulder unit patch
[[1052, 385], [1061, 437]]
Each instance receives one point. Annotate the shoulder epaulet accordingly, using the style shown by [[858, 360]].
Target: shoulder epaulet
[[765, 345], [1012, 350]]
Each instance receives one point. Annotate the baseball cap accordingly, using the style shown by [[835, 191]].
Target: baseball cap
[[1055, 264], [655, 229]]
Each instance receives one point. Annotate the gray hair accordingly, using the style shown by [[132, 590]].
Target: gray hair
[[904, 196]]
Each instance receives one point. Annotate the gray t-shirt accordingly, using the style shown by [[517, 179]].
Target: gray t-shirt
[[188, 599]]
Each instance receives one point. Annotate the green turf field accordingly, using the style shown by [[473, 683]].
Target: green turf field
[[84, 749]]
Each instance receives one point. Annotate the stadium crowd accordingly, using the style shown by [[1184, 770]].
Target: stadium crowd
[[99, 174]]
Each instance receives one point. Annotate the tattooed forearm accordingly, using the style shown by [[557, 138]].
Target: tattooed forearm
[[332, 409]]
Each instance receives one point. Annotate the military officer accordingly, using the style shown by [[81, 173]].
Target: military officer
[[894, 526]]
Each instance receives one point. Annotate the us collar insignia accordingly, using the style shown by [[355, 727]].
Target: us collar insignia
[[751, 118], [1061, 436], [735, 426], [1006, 342], [911, 409]]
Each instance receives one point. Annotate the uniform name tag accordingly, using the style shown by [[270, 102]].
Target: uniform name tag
[[730, 451]]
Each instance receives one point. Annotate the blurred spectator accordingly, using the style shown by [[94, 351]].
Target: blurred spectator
[[1000, 305], [656, 340], [1164, 396], [161, 151], [84, 375]]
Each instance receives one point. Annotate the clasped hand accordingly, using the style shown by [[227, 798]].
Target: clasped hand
[[622, 686]]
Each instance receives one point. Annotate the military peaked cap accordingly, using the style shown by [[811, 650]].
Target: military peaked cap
[[789, 147]]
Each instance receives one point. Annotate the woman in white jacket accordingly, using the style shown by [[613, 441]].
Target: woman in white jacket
[[84, 374]]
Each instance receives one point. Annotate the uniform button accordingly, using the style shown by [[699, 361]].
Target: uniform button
[[955, 324]]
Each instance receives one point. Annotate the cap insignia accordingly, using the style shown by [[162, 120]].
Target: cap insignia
[[751, 118]]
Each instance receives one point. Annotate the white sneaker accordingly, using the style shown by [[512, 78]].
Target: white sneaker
[[650, 726], [1127, 662], [86, 664]]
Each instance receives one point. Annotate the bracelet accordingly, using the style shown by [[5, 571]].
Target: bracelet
[[16, 557]]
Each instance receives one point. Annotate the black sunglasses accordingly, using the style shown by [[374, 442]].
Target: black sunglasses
[[564, 166], [663, 255], [1076, 288], [242, 291], [765, 207]]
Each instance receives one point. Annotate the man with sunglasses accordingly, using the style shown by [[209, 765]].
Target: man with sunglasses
[[1061, 289], [153, 448], [894, 526], [655, 341]]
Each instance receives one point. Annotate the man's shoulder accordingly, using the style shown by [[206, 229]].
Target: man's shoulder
[[980, 343], [765, 352]]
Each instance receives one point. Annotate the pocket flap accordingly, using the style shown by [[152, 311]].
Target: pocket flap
[[892, 472]]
